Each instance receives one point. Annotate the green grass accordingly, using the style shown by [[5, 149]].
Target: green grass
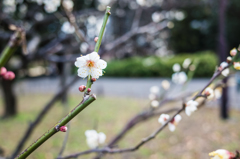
[[195, 136]]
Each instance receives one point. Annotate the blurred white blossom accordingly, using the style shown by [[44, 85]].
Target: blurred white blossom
[[154, 103], [165, 84], [176, 67], [84, 47], [67, 28], [154, 89], [179, 77], [226, 71], [218, 93], [221, 154], [209, 92], [191, 106], [186, 63], [94, 139], [172, 124], [68, 4]]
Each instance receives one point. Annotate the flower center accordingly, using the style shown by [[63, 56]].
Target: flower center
[[90, 63]]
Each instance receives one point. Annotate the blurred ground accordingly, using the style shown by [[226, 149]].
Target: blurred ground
[[195, 136]]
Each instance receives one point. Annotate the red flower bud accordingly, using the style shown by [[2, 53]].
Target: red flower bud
[[82, 88], [9, 75], [89, 90], [3, 71], [93, 79], [63, 129]]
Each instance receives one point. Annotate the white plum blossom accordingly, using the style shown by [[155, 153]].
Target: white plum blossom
[[165, 84], [226, 71], [186, 63], [94, 139], [154, 89], [90, 64], [154, 103], [221, 154], [233, 52], [179, 77], [68, 4], [236, 65], [209, 93], [176, 67], [172, 124], [67, 28], [191, 106], [218, 93]]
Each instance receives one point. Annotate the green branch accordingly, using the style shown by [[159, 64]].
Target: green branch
[[107, 14], [85, 102], [11, 47]]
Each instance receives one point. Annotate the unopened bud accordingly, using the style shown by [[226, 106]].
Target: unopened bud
[[229, 59], [3, 71], [63, 129], [9, 75], [93, 79], [96, 39], [89, 90], [233, 52], [82, 88]]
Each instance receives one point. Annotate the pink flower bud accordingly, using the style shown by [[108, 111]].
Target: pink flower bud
[[3, 71], [82, 88], [63, 129], [93, 79], [89, 90], [96, 39], [9, 75]]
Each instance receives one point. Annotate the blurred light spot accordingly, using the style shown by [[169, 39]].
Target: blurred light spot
[[36, 71], [92, 20], [133, 5], [39, 16], [84, 47], [179, 15], [67, 28], [120, 12], [170, 25]]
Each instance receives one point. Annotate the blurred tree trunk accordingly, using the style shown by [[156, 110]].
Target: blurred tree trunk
[[10, 107], [222, 52]]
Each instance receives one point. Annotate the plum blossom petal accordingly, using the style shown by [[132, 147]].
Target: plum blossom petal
[[163, 118], [221, 154], [101, 64], [191, 106], [172, 124], [209, 92]]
